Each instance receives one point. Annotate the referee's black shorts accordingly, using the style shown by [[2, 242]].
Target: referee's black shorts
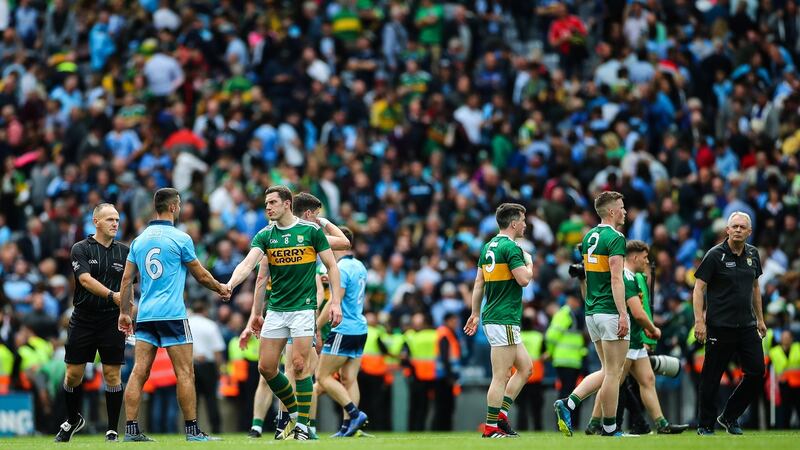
[[89, 334]]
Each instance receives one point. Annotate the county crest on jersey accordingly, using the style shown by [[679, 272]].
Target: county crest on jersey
[[292, 255]]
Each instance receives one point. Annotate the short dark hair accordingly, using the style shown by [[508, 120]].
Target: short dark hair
[[283, 192], [605, 199], [163, 198], [507, 212], [348, 233], [303, 202], [636, 246]]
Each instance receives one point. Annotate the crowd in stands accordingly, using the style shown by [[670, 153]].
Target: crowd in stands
[[411, 121]]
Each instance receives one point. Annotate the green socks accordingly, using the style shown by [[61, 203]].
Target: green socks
[[282, 389], [609, 424], [491, 416], [507, 402], [305, 388], [595, 422], [661, 422], [573, 402]]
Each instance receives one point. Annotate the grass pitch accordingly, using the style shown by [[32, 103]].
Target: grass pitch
[[438, 441]]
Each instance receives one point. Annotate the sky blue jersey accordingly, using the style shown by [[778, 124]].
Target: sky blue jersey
[[354, 282], [161, 253]]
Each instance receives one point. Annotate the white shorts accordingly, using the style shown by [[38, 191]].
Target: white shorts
[[286, 324], [603, 327], [637, 353], [501, 335]]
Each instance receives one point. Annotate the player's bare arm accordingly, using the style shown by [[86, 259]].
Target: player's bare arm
[[256, 320], [334, 280], [477, 297], [616, 264], [336, 239], [125, 323], [204, 277], [244, 268], [640, 316]]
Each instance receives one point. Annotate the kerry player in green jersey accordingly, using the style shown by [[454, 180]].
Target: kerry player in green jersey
[[638, 361], [607, 319], [504, 269], [291, 246]]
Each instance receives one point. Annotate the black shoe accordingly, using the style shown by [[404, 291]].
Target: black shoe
[[505, 427], [673, 428], [641, 429], [615, 433], [112, 436], [69, 429], [253, 434], [300, 435], [705, 431], [280, 425], [731, 426], [594, 430]]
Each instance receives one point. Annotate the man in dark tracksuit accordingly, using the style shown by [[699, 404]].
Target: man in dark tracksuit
[[732, 322]]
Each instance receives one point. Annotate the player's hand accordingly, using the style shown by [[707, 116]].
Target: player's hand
[[700, 332], [244, 337], [225, 292], [653, 334], [472, 325], [762, 329], [622, 326], [255, 324], [125, 324], [527, 257], [336, 314]]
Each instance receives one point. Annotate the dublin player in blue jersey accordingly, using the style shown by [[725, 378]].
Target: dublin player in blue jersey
[[344, 346], [162, 254]]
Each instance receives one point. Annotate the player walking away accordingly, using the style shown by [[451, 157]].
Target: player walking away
[[638, 361], [291, 246], [504, 270], [345, 344], [98, 262], [162, 253], [606, 316]]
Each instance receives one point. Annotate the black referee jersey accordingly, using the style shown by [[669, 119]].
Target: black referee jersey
[[104, 264]]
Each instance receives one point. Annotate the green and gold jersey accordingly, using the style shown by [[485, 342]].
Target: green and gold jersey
[[498, 258], [632, 290], [292, 255], [599, 244]]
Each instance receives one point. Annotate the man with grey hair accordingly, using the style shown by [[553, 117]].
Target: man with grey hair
[[98, 262], [728, 318]]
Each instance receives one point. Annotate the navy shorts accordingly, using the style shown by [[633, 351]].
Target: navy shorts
[[349, 346], [164, 333]]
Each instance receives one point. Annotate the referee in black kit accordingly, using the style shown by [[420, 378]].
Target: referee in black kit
[[98, 262], [731, 322]]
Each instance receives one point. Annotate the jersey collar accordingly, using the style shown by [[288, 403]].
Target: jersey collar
[[161, 222], [296, 221]]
